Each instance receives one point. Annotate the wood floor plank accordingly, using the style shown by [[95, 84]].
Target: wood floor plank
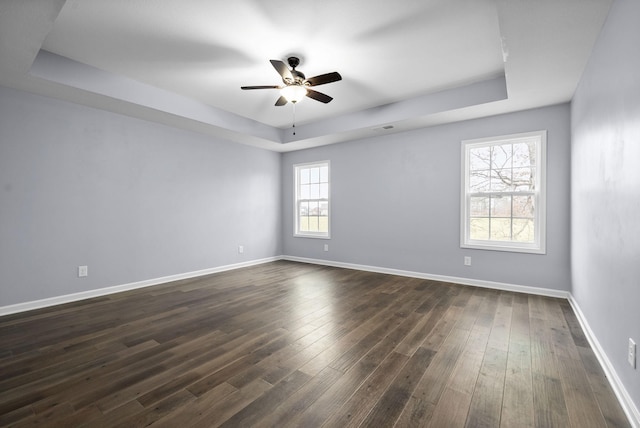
[[548, 401], [219, 412], [197, 408], [448, 339], [451, 411], [358, 406], [341, 391], [548, 398], [301, 338], [386, 410], [297, 403], [453, 405], [262, 406], [293, 344], [432, 313], [115, 416], [151, 414], [609, 406], [517, 404], [486, 404], [178, 374], [578, 395]]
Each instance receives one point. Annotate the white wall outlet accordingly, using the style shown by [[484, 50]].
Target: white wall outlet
[[467, 261], [240, 249], [83, 271], [631, 355], [326, 247]]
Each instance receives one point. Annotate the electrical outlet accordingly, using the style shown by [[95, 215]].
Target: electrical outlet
[[83, 271], [326, 247], [240, 249], [631, 355], [467, 261]]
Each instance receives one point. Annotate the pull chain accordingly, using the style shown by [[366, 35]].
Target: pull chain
[[294, 118]]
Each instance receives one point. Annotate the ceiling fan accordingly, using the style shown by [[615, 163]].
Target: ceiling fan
[[296, 85]]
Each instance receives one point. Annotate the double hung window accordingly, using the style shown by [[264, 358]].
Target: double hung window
[[503, 196], [312, 199]]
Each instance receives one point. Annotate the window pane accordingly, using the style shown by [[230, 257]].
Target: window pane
[[304, 224], [315, 191], [479, 158], [314, 208], [324, 208], [324, 174], [501, 229], [313, 224], [304, 176], [304, 191], [479, 181], [323, 224], [324, 191], [523, 230], [501, 206], [501, 156], [479, 228], [524, 154], [479, 206], [523, 206], [523, 179], [315, 175], [304, 209], [501, 180]]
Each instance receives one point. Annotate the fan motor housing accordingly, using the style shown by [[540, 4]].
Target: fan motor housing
[[298, 76]]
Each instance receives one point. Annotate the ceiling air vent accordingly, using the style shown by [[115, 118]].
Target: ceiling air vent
[[383, 128]]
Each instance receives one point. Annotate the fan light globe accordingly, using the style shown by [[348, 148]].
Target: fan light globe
[[293, 93]]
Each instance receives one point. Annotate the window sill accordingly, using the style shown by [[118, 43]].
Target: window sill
[[305, 235], [506, 248]]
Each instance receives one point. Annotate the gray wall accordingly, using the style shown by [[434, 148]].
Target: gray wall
[[605, 194], [396, 202], [131, 199]]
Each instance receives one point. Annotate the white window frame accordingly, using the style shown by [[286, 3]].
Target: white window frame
[[297, 200], [539, 244]]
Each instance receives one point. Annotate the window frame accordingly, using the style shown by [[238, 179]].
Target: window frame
[[539, 194], [296, 200]]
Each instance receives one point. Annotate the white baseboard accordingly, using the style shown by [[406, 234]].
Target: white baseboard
[[464, 281], [624, 399], [68, 298]]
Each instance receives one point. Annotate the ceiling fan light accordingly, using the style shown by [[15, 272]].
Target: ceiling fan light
[[293, 93]]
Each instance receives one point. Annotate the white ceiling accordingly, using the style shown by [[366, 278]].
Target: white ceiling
[[406, 63]]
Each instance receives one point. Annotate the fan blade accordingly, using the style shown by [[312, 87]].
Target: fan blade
[[282, 69], [324, 78], [281, 101], [318, 96], [260, 87]]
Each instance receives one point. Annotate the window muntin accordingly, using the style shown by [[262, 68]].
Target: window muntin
[[503, 206], [312, 199]]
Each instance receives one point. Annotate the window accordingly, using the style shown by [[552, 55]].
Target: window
[[312, 200], [503, 195]]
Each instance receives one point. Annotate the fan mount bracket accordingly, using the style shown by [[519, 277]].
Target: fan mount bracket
[[293, 61]]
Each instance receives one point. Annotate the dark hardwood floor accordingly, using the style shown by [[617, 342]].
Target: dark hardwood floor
[[294, 345]]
